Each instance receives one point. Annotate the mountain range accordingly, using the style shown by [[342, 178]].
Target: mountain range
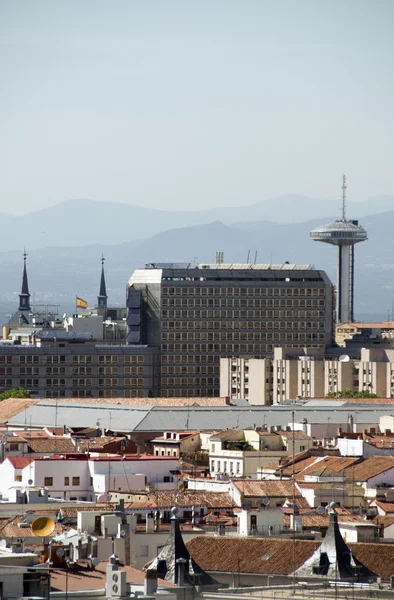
[[71, 264], [85, 222]]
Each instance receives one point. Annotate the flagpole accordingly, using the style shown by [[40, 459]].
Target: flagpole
[[76, 304]]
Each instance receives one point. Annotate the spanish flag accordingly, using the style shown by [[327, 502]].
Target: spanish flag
[[81, 303]]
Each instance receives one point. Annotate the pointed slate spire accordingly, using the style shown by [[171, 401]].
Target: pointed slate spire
[[24, 296], [102, 297], [174, 563], [334, 559]]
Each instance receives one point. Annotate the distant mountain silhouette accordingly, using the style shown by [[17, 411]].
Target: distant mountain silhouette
[[57, 274], [86, 222]]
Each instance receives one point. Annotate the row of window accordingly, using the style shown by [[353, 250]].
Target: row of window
[[222, 336], [242, 291], [220, 317], [239, 302], [229, 324], [178, 381], [75, 359], [229, 467], [191, 370]]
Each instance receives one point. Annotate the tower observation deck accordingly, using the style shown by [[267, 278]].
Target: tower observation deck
[[344, 233]]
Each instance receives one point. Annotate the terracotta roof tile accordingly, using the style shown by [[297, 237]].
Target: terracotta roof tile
[[275, 555], [256, 488], [13, 406], [371, 467], [167, 500], [52, 445], [20, 462], [387, 507], [195, 401], [85, 579], [249, 555]]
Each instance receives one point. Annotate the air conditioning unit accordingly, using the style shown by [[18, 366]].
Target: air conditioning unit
[[116, 584]]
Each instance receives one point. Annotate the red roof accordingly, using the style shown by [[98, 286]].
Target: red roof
[[20, 462]]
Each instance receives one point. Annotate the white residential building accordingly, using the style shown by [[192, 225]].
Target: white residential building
[[77, 477]]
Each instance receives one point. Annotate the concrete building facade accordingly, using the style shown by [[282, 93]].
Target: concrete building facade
[[72, 367], [196, 314], [306, 373]]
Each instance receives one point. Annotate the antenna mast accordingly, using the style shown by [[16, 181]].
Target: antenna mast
[[343, 197]]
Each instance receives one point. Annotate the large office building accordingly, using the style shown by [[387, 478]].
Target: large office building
[[197, 313], [71, 365]]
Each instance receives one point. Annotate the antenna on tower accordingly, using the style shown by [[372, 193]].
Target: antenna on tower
[[344, 197]]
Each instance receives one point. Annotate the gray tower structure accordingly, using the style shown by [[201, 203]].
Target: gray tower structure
[[344, 233]]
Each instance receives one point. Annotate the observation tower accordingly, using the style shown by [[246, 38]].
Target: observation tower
[[344, 233]]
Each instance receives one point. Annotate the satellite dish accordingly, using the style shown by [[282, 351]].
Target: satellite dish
[[122, 533], [60, 552], [265, 501], [30, 482], [95, 561], [43, 526], [320, 510], [344, 358]]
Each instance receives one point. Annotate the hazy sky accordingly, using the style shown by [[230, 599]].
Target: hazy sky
[[188, 104]]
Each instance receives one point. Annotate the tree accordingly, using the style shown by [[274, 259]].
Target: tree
[[351, 394], [15, 393]]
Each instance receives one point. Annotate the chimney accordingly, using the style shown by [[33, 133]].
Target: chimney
[[150, 523], [132, 521], [150, 583], [181, 569], [339, 431]]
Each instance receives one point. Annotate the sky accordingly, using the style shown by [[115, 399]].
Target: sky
[[194, 104]]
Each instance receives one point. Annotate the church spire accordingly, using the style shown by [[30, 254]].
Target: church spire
[[24, 296], [102, 297]]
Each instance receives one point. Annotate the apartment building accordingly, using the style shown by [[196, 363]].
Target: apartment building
[[307, 373], [197, 313], [241, 453], [71, 365]]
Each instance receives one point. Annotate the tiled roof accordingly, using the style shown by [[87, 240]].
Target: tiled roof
[[387, 507], [11, 529], [384, 521], [52, 445], [256, 488], [249, 555], [85, 579], [371, 467], [20, 462], [226, 433], [336, 464], [13, 406], [311, 519], [275, 555], [98, 442], [167, 500], [195, 401], [298, 435]]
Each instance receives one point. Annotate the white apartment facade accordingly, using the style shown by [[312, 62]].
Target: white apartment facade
[[78, 478], [306, 373]]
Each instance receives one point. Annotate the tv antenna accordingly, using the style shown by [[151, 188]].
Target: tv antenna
[[343, 197]]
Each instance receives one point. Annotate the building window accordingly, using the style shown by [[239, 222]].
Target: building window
[[48, 481], [66, 481], [76, 481], [238, 467], [213, 465], [18, 477], [14, 447]]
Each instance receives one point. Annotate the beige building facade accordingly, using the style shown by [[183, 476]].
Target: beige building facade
[[306, 373]]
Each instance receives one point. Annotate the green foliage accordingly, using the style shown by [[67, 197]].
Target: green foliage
[[15, 393], [351, 394]]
